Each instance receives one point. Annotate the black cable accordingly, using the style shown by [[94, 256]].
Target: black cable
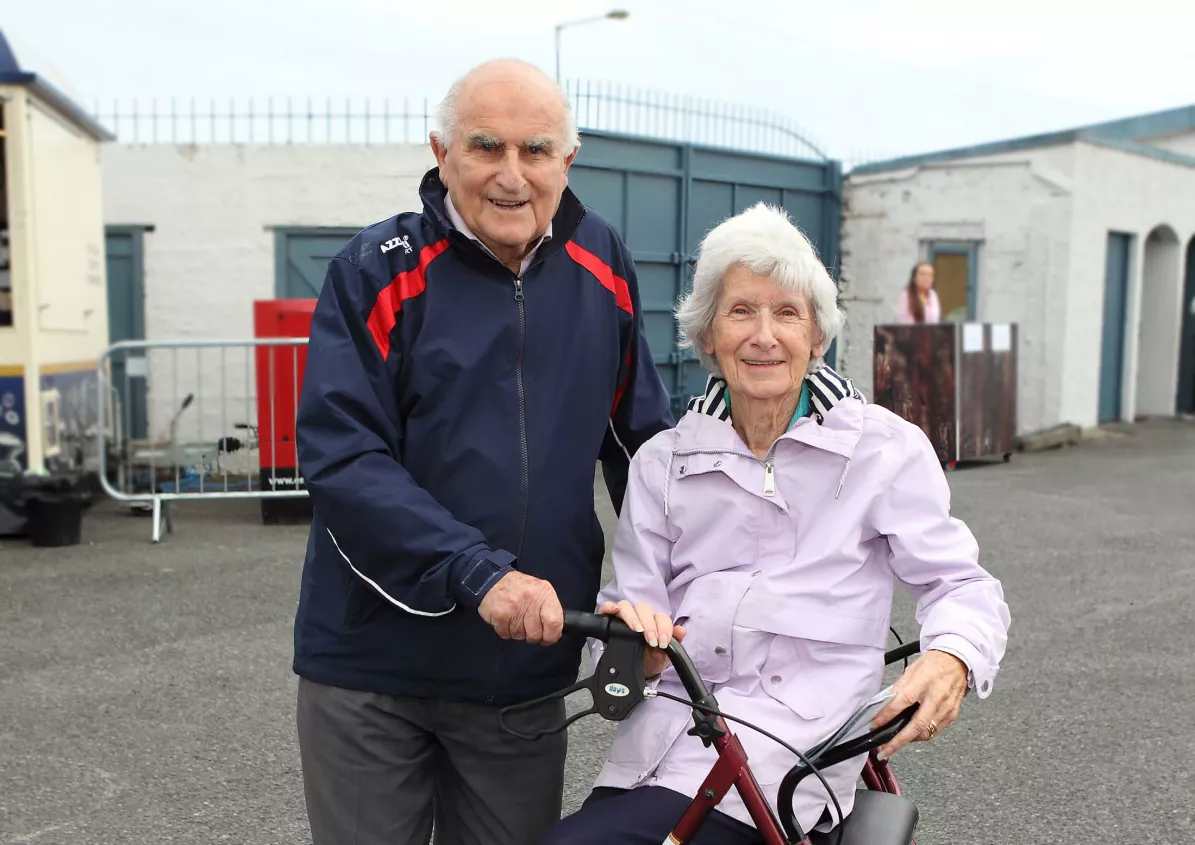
[[899, 642], [715, 712]]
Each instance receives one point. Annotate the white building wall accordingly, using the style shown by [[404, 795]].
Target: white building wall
[[1016, 205], [214, 210], [1123, 192]]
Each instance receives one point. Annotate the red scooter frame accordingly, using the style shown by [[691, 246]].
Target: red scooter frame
[[617, 686], [732, 770]]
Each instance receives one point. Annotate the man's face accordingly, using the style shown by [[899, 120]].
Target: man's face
[[506, 168]]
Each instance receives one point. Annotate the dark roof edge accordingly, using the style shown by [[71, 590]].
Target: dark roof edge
[[1138, 148], [1114, 133]]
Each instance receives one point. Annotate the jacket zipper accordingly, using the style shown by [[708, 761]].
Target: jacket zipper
[[525, 491], [768, 461], [769, 467], [495, 681], [526, 466]]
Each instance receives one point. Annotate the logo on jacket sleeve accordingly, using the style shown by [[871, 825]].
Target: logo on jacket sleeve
[[393, 243]]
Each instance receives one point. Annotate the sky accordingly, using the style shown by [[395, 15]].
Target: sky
[[863, 78]]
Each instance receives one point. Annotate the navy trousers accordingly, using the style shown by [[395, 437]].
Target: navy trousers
[[642, 816]]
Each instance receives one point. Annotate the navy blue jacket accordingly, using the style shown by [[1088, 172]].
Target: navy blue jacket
[[449, 426]]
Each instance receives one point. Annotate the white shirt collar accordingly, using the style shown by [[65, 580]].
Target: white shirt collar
[[459, 222]]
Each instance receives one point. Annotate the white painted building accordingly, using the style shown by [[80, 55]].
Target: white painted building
[[1084, 238], [217, 226], [220, 213]]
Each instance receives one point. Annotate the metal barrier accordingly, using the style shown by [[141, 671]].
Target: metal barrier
[[199, 420]]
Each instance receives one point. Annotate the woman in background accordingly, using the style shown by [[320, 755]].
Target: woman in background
[[918, 303]]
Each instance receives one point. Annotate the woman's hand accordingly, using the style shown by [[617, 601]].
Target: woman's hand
[[657, 629], [938, 681]]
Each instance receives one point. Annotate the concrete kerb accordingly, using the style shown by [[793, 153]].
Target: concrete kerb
[[1069, 434]]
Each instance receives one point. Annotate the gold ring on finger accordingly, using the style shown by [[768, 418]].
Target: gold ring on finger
[[932, 730]]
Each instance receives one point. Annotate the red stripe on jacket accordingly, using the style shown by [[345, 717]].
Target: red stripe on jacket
[[404, 286], [604, 274], [617, 285]]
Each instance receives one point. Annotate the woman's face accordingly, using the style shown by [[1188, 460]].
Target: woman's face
[[762, 337], [924, 277]]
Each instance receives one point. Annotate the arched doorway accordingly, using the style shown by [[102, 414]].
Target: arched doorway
[[1186, 355], [1158, 340]]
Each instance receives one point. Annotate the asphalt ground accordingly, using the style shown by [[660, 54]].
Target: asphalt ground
[[146, 694]]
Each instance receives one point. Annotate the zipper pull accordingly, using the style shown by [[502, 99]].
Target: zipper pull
[[769, 478], [842, 480], [518, 290]]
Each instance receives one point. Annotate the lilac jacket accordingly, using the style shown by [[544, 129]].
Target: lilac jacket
[[782, 570]]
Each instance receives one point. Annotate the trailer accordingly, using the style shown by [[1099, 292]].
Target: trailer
[[53, 293]]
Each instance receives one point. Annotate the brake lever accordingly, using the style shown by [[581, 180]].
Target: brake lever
[[616, 686], [527, 705], [824, 757]]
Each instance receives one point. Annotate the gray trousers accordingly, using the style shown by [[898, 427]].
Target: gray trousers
[[377, 770]]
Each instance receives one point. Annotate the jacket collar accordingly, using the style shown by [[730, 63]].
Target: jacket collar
[[835, 422]]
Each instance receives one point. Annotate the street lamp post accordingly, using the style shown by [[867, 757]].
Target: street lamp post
[[613, 15]]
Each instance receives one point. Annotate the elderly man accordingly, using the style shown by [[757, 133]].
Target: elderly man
[[467, 367]]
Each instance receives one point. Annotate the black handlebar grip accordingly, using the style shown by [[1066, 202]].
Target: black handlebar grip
[[599, 626], [592, 625]]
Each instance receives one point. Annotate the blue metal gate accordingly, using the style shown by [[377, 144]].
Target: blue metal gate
[[664, 196]]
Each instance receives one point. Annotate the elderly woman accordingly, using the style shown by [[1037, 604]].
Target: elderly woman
[[771, 524]]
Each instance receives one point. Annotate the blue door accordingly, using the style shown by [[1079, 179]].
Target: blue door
[[1186, 359], [1116, 295], [126, 321], [301, 259]]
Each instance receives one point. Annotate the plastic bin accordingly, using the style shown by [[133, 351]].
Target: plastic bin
[[55, 519], [53, 507]]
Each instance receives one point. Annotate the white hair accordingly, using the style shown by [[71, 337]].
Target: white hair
[[764, 240], [448, 125]]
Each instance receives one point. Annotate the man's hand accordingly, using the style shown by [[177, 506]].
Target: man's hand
[[521, 607]]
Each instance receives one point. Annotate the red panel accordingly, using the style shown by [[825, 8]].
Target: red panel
[[280, 377]]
